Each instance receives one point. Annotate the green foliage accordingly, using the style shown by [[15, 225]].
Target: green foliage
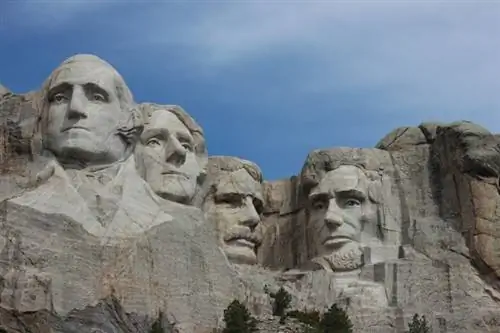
[[282, 300], [157, 326], [335, 320], [238, 319], [311, 318], [418, 325]]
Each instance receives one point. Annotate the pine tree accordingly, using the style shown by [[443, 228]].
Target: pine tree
[[418, 325], [157, 326], [335, 320], [238, 319], [282, 300], [311, 318]]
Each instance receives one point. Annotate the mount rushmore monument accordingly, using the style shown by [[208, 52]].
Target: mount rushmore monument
[[113, 211]]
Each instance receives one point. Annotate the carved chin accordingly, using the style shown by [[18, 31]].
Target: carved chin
[[176, 188], [240, 254], [345, 259]]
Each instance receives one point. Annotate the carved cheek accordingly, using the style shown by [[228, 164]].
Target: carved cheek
[[369, 213], [224, 214], [316, 223], [56, 114]]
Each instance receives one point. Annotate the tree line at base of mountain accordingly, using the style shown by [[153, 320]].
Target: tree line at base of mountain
[[238, 319]]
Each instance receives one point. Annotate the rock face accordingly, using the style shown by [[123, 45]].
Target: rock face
[[233, 204], [3, 91], [112, 212], [437, 254]]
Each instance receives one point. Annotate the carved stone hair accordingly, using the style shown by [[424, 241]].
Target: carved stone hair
[[218, 164], [147, 110], [321, 162], [131, 128]]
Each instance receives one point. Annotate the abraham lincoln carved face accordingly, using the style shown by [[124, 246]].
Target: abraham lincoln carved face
[[342, 215]]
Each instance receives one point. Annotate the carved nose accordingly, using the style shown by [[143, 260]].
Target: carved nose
[[333, 217], [175, 152], [77, 104], [250, 216]]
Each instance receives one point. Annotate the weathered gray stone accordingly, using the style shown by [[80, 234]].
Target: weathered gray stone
[[95, 238], [402, 137], [79, 223], [429, 129], [172, 155], [233, 204], [3, 91]]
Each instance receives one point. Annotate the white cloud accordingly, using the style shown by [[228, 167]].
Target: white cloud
[[46, 15], [441, 59]]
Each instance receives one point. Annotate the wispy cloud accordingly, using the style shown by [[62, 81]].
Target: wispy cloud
[[432, 56], [330, 72]]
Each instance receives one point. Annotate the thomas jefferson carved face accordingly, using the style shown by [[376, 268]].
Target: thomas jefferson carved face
[[340, 215], [170, 164], [84, 113], [236, 208]]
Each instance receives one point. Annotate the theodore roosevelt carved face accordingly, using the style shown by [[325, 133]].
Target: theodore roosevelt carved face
[[234, 205]]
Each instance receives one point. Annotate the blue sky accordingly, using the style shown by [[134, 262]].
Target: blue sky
[[271, 80]]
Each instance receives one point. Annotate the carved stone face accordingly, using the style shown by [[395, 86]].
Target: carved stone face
[[170, 164], [84, 113], [340, 214], [236, 209]]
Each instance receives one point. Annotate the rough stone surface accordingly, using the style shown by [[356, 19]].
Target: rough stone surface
[[233, 205], [102, 237], [402, 137], [3, 91], [439, 205]]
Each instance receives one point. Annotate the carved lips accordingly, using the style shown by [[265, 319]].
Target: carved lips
[[74, 127], [174, 172], [250, 241], [337, 240]]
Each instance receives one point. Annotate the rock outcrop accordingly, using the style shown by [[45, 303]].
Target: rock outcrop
[[439, 199], [110, 218], [3, 91]]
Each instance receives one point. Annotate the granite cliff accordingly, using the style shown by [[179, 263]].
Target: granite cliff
[[114, 212]]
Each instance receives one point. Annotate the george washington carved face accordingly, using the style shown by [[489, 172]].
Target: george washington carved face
[[86, 103]]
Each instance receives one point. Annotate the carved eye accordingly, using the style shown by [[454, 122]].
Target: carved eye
[[352, 203], [98, 97], [59, 97], [230, 199], [153, 142], [319, 204], [259, 207], [187, 146]]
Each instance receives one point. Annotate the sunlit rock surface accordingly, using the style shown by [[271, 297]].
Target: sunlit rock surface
[[111, 214]]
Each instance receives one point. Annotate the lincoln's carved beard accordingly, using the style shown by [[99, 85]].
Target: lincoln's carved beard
[[348, 258]]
